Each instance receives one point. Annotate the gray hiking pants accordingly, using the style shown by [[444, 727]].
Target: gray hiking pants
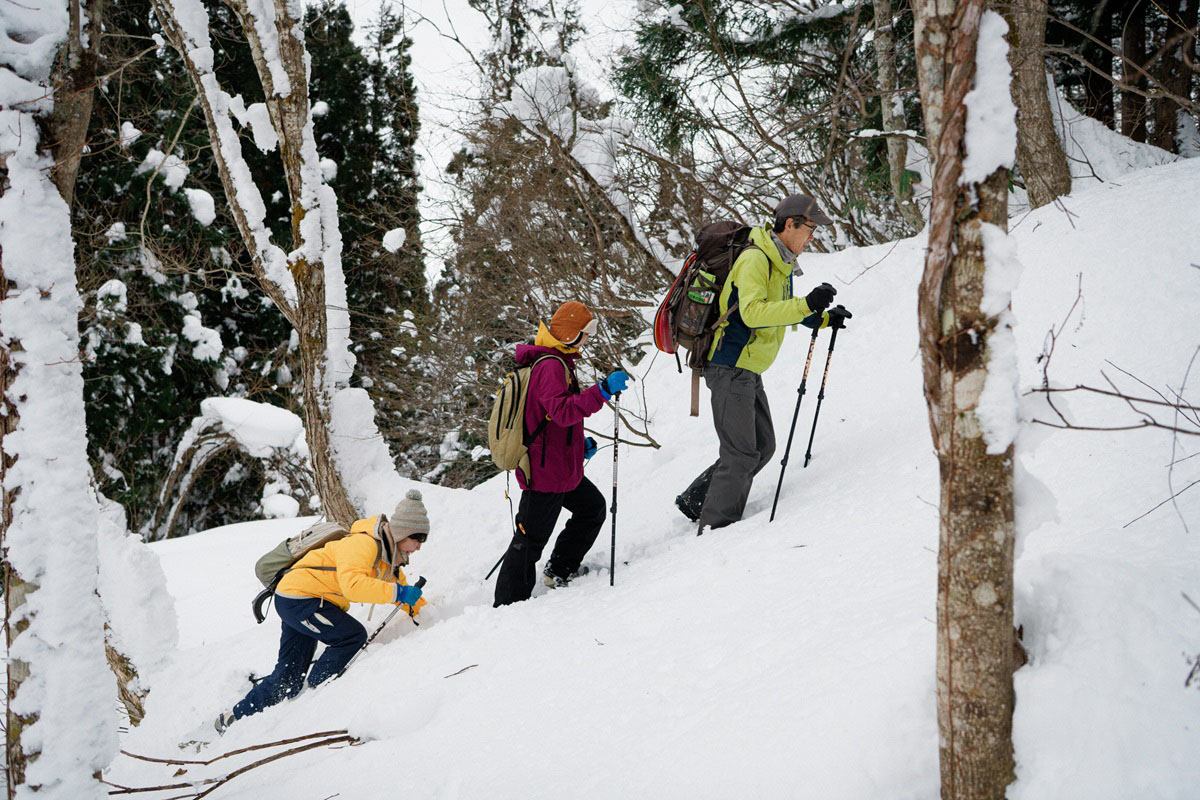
[[742, 419]]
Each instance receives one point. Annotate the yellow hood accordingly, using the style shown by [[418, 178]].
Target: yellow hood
[[546, 339]]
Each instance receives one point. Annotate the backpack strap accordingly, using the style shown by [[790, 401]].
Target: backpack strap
[[721, 319], [695, 410], [545, 421]]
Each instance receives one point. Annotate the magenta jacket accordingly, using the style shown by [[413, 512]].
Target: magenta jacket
[[556, 455]]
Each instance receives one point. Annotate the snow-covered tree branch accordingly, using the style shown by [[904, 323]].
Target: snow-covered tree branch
[[307, 283]]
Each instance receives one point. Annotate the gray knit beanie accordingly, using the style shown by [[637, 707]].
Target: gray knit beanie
[[409, 517]]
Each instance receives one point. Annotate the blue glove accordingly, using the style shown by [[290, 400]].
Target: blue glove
[[408, 595], [589, 448], [614, 384]]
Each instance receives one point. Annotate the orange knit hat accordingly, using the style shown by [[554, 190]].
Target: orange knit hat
[[570, 321]]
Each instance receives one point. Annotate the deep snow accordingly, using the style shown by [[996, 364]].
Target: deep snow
[[786, 659]]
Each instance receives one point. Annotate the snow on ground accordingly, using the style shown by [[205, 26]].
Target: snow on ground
[[786, 659]]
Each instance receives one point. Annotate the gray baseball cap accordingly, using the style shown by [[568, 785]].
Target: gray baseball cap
[[801, 205]]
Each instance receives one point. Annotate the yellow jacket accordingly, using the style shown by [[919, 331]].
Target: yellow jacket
[[350, 569]]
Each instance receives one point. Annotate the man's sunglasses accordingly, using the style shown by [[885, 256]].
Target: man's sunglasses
[[418, 537]]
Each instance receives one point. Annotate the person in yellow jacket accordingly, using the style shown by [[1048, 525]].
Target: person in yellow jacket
[[313, 597], [759, 292]]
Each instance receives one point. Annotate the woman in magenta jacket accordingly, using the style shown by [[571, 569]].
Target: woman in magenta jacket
[[554, 412]]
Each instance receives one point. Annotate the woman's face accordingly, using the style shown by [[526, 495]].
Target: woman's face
[[409, 545]]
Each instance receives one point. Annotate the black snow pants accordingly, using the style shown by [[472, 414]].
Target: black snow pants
[[536, 518]]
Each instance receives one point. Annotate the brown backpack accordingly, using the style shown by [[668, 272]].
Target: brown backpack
[[688, 316]]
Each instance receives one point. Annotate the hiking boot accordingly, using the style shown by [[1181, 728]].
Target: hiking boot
[[689, 511], [559, 582], [223, 721], [691, 500]]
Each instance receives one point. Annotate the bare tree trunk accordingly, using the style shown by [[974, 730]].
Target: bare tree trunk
[[974, 616], [75, 83], [1040, 155], [892, 108], [1133, 52], [1173, 72], [1098, 85], [295, 282]]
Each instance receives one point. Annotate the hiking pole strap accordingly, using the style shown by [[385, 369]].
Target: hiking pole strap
[[812, 344], [820, 397]]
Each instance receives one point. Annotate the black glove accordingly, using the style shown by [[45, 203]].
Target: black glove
[[819, 298], [838, 316]]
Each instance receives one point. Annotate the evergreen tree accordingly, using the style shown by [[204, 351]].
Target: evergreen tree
[[161, 281], [368, 126], [168, 321]]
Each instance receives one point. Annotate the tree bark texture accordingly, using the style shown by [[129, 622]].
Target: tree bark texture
[[287, 102], [75, 84], [1040, 155], [15, 589], [892, 109], [1133, 53], [1173, 70], [1097, 84], [974, 615]]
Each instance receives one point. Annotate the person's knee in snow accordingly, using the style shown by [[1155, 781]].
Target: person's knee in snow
[[364, 566]]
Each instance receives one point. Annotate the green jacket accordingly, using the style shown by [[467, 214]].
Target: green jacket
[[760, 283]]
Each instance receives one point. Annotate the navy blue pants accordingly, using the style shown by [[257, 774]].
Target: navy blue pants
[[305, 623]]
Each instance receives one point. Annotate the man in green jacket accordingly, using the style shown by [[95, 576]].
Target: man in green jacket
[[759, 289]]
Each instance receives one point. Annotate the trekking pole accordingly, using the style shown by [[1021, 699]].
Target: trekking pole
[[612, 552], [812, 344], [838, 311], [420, 582]]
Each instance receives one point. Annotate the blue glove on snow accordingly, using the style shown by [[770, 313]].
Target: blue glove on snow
[[614, 384], [589, 448], [408, 595]]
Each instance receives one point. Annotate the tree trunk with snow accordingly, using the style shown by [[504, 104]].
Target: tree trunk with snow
[[74, 85], [1040, 154], [974, 614], [306, 284], [892, 109], [59, 724]]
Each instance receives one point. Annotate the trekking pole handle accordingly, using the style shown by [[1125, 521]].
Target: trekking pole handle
[[412, 610]]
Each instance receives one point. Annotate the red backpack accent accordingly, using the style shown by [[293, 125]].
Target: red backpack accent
[[687, 317]]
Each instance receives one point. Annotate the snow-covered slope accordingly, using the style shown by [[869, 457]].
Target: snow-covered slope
[[786, 659]]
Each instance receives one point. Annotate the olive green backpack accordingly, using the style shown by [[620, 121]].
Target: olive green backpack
[[506, 429]]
